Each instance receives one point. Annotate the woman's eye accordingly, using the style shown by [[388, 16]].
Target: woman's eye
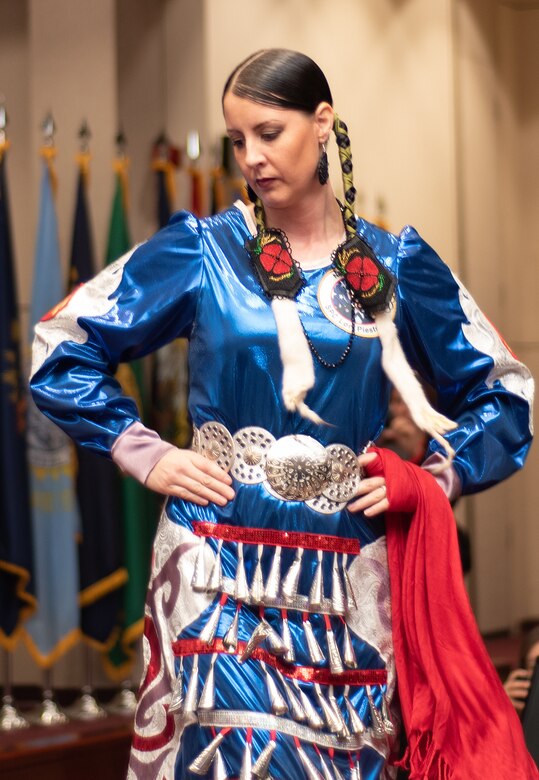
[[236, 142], [269, 136]]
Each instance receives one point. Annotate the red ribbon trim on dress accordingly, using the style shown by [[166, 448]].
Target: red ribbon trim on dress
[[184, 647], [273, 538]]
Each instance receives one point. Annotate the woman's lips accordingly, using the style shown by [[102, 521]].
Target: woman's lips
[[263, 184]]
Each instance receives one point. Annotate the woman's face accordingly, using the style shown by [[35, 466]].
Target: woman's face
[[277, 149]]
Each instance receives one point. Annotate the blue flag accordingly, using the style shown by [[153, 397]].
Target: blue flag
[[16, 596], [102, 574], [55, 626]]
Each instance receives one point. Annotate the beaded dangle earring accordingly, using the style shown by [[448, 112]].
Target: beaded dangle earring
[[323, 167]]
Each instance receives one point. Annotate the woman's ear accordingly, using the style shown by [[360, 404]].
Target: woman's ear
[[324, 116]]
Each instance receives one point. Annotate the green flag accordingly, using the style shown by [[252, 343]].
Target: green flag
[[139, 505]]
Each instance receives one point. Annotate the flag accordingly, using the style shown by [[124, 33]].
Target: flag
[[16, 566], [169, 414], [139, 505], [102, 574], [54, 627]]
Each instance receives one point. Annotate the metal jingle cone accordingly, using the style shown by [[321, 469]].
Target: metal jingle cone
[[315, 651], [262, 763], [316, 594], [335, 661], [257, 583], [230, 639], [313, 718], [207, 634], [386, 717], [349, 657], [246, 772], [289, 585], [241, 588], [198, 583], [189, 707], [325, 769], [355, 723], [207, 697], [338, 598], [296, 710], [336, 773], [277, 702], [219, 769], [311, 771], [350, 598], [176, 699], [377, 722], [355, 771], [333, 723], [344, 731], [214, 580], [276, 645], [273, 583], [202, 763], [258, 636], [290, 655]]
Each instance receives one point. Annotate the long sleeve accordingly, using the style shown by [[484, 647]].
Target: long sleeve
[[142, 301], [479, 382]]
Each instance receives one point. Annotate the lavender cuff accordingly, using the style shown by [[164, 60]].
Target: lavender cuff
[[137, 450], [448, 479]]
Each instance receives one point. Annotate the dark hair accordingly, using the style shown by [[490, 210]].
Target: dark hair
[[280, 77]]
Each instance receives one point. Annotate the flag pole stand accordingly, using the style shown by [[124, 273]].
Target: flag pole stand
[[10, 718], [86, 706], [48, 713], [125, 701]]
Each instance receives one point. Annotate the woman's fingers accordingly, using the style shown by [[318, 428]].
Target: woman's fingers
[[371, 496], [190, 476]]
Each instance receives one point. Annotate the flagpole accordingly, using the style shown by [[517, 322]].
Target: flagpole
[[10, 719], [86, 706]]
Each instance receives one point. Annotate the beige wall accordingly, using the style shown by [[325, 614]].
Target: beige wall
[[443, 108]]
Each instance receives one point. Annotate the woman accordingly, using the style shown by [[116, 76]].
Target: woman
[[268, 643]]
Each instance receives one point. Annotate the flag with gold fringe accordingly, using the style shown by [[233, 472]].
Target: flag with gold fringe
[[54, 627], [139, 505], [169, 414], [17, 599], [102, 573]]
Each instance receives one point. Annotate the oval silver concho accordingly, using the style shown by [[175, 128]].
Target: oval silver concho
[[251, 446], [345, 474], [297, 467], [216, 443]]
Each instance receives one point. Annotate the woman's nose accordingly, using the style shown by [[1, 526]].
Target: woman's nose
[[253, 153]]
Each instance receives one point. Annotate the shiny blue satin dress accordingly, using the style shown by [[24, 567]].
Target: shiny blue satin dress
[[194, 279]]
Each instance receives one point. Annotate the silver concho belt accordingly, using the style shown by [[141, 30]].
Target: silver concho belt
[[293, 468]]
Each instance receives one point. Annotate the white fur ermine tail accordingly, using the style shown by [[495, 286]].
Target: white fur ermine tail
[[298, 369], [399, 372]]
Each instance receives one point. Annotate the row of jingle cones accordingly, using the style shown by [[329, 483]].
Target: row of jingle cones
[[275, 587]]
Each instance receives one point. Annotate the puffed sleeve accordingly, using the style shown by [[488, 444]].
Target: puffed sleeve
[[145, 299], [479, 382]]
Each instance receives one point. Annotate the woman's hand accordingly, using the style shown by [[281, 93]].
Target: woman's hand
[[517, 687], [188, 475], [372, 492]]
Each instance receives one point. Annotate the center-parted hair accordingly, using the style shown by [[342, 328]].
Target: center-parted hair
[[282, 78]]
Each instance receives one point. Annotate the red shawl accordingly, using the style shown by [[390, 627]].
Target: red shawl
[[459, 722]]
